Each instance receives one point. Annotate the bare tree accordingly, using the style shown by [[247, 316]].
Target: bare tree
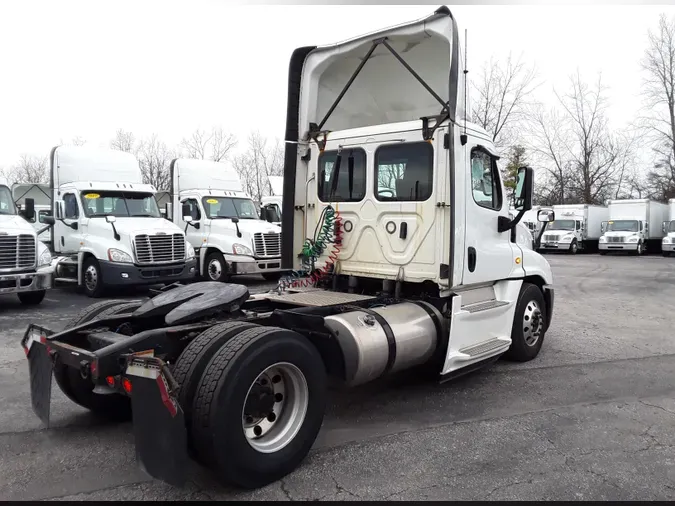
[[659, 95], [30, 169], [213, 145], [503, 91], [75, 141], [257, 163], [154, 158], [124, 141]]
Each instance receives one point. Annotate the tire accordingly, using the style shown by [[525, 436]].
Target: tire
[[666, 253], [574, 247], [602, 252], [92, 280], [272, 276], [215, 267], [192, 362], [639, 251], [530, 304], [32, 298], [218, 409], [80, 391]]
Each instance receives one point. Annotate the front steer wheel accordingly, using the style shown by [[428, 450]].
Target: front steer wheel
[[529, 324], [92, 279], [259, 406], [79, 390]]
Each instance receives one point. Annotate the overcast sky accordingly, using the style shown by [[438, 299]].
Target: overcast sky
[[87, 68]]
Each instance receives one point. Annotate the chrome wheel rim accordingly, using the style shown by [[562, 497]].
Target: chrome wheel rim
[[275, 407], [533, 323], [91, 278], [215, 269]]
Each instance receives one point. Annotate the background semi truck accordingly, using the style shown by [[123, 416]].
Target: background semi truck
[[576, 227], [668, 229], [271, 205], [634, 225], [421, 272], [108, 230], [221, 221], [25, 262], [41, 195]]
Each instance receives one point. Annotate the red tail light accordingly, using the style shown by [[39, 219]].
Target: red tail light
[[111, 381], [126, 384]]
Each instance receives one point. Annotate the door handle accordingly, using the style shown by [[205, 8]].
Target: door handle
[[403, 233], [472, 258]]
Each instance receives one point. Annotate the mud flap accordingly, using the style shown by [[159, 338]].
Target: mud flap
[[158, 421], [40, 368]]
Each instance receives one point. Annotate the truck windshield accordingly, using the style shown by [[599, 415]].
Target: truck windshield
[[561, 225], [228, 207], [622, 226], [6, 202], [98, 204]]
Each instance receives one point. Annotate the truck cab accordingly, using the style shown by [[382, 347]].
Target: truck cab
[[40, 193], [25, 262], [270, 205], [634, 225], [221, 222], [108, 230], [668, 229]]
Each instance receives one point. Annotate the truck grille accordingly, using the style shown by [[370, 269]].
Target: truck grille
[[267, 245], [615, 239], [17, 252], [552, 238], [152, 249]]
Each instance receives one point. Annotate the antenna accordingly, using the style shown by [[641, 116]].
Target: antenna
[[463, 137]]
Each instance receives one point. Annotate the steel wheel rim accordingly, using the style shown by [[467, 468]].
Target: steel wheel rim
[[533, 323], [215, 269], [286, 387], [91, 278]]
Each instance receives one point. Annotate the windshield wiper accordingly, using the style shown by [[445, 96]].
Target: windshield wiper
[[143, 216]]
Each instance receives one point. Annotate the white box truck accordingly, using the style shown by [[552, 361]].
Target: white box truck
[[221, 222], [577, 227], [25, 262], [668, 229], [108, 230], [423, 271], [41, 195], [270, 205], [634, 225]]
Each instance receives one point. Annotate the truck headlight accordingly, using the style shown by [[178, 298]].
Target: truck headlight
[[190, 250], [567, 238], [45, 258], [633, 238], [240, 249], [665, 240], [603, 239], [116, 255]]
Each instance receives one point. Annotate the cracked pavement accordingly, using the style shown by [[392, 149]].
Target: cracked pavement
[[591, 418]]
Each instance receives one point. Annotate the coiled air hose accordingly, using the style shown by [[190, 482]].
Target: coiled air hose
[[327, 237]]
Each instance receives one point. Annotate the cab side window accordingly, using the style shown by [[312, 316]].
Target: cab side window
[[485, 180], [194, 209], [71, 210]]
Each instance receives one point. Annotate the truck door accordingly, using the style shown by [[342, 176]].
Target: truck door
[[195, 236], [66, 239], [489, 255]]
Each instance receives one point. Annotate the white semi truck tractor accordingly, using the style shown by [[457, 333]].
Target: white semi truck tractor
[[402, 252], [108, 231], [270, 205], [668, 229], [41, 195], [577, 227], [221, 222], [25, 262], [634, 225]]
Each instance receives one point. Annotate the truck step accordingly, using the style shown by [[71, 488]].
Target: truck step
[[66, 280], [484, 306], [484, 347]]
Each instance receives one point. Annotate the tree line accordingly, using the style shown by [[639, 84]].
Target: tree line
[[577, 155]]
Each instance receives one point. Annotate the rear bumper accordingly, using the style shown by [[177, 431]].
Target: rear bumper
[[249, 265], [27, 281], [128, 274]]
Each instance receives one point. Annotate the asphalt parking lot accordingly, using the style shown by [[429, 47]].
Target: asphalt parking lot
[[592, 418]]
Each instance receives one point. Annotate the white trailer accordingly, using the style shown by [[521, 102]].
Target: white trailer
[[634, 225], [576, 227], [108, 228], [41, 195], [25, 262], [668, 228], [221, 221], [420, 271]]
